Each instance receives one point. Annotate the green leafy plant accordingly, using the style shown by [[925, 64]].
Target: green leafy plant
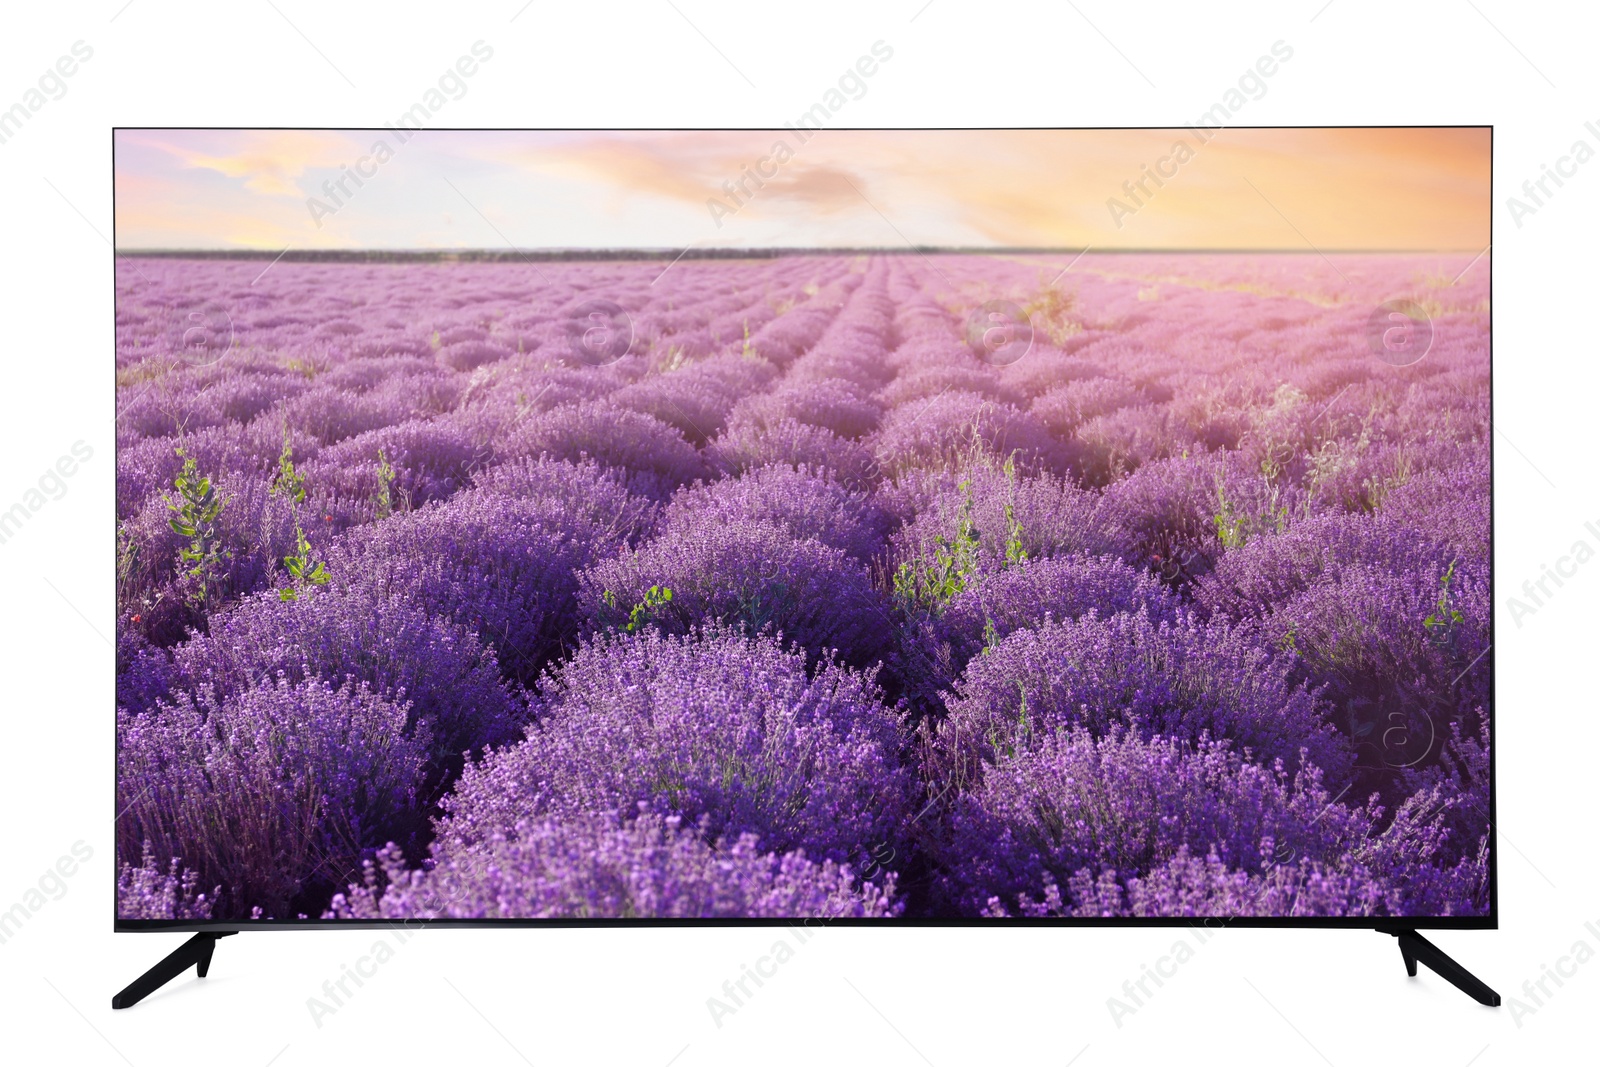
[[288, 482], [304, 568], [128, 562], [306, 368], [384, 501], [1234, 529], [1009, 743], [1015, 553], [196, 513], [748, 351], [1445, 617], [656, 596], [991, 636], [1229, 524], [932, 583], [1290, 636]]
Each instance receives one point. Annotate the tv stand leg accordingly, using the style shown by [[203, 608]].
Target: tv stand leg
[[1414, 949], [195, 952]]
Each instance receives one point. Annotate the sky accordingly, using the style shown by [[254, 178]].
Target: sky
[[1325, 189]]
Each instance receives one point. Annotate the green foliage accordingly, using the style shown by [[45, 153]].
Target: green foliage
[[656, 596], [747, 351], [1445, 617], [1230, 525], [1288, 641], [1235, 528], [1008, 744], [933, 583], [1015, 553], [306, 368], [196, 513], [128, 560], [303, 567], [930, 584], [991, 636], [289, 482], [384, 500]]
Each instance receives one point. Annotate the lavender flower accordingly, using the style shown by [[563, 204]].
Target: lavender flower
[[599, 867], [807, 504], [449, 681], [270, 792], [148, 892], [1065, 588], [750, 573], [1158, 678], [1128, 805], [714, 724], [653, 451]]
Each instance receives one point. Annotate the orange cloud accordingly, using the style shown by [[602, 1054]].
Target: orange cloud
[[828, 187], [269, 161], [693, 167], [675, 171]]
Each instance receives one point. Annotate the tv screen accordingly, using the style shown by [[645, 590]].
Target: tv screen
[[901, 526]]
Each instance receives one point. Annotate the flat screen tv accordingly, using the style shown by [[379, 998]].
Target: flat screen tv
[[922, 527]]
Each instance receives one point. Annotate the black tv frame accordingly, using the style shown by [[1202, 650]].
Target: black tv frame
[[197, 951]]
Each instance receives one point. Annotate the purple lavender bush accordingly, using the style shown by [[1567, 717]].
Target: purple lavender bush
[[1264, 574], [597, 866], [425, 461], [148, 892], [713, 724], [754, 574], [585, 492], [986, 514], [941, 433], [1065, 588], [1129, 805], [655, 454], [696, 399], [449, 681], [1067, 407], [1173, 679], [834, 404], [275, 791], [1400, 655], [809, 505], [505, 569], [748, 444]]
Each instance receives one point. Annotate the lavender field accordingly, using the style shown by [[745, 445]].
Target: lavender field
[[766, 589]]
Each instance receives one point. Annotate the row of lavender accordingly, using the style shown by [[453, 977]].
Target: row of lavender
[[801, 606]]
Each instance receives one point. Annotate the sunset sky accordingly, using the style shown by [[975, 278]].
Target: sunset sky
[[1328, 189]]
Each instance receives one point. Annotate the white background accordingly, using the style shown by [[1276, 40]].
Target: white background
[[881, 996]]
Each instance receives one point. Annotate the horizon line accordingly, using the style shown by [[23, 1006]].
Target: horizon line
[[731, 252]]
